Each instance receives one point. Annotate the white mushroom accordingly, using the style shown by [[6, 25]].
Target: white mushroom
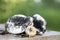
[[14, 24]]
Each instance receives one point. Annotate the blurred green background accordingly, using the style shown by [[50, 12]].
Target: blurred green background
[[49, 9]]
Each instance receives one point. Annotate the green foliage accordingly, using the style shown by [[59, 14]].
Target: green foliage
[[49, 9]]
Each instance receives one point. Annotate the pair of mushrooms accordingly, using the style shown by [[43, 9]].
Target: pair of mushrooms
[[18, 24]]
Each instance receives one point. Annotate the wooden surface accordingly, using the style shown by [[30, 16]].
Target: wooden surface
[[49, 35]]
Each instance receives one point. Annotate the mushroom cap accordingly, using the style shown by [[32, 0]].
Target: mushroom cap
[[15, 24], [39, 23]]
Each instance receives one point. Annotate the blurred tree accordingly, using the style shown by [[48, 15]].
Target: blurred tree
[[49, 9]]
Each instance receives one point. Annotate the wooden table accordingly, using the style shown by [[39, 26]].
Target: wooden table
[[49, 35]]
